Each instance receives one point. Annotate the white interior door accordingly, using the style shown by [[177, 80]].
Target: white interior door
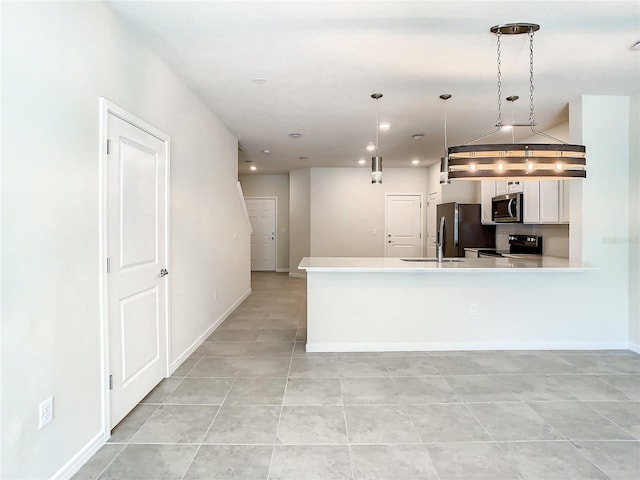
[[137, 249], [262, 215], [432, 227], [404, 226]]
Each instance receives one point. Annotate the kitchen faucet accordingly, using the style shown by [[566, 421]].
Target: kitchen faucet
[[440, 251]]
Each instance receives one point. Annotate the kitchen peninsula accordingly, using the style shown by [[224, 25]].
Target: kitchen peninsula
[[390, 304]]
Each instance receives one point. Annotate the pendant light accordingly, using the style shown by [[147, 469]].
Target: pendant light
[[444, 161], [376, 161], [533, 161]]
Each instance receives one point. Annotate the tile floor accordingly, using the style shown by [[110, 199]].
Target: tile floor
[[251, 404]]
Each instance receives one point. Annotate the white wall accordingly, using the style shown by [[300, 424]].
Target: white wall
[[57, 60], [346, 209], [634, 223], [273, 186], [299, 219], [599, 228]]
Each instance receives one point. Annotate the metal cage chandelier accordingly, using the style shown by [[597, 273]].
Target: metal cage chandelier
[[533, 161]]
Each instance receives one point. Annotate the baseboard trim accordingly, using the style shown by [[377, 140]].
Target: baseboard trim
[[298, 275], [76, 462], [459, 346], [634, 347], [203, 337], [282, 270]]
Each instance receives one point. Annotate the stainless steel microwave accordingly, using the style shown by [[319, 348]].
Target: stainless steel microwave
[[507, 208]]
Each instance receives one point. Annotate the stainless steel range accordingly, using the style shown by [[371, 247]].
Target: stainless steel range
[[518, 244]]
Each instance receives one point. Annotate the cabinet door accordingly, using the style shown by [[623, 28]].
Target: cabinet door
[[564, 201], [515, 186], [531, 199], [502, 187], [549, 201], [487, 192]]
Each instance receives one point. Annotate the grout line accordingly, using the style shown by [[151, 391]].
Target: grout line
[[275, 437], [124, 445]]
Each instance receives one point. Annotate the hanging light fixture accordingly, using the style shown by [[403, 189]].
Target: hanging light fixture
[[376, 161], [534, 161], [444, 161]]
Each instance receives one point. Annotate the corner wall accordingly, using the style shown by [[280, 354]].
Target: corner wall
[[299, 219], [58, 59], [634, 224], [599, 228]]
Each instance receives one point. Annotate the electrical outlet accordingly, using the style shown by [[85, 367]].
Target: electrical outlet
[[473, 309], [45, 412]]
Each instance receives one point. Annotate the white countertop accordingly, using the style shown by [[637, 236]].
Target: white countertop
[[528, 263]]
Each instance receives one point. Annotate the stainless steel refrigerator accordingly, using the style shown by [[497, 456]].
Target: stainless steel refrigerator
[[463, 228]]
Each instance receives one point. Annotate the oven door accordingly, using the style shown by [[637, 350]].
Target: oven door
[[507, 208]]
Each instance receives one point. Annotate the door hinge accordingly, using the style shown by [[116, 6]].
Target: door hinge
[[108, 146], [110, 382], [108, 265]]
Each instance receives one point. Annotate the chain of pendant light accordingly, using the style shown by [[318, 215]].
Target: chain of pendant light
[[531, 32], [499, 75]]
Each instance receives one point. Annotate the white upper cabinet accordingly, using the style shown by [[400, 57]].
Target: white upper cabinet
[[508, 186], [531, 199], [487, 192], [564, 201], [501, 187], [549, 201], [545, 201]]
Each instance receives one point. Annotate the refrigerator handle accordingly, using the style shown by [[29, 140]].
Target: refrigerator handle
[[456, 220]]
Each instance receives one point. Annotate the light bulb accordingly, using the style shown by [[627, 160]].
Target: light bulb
[[384, 126], [253, 168], [501, 167], [558, 166], [371, 147], [472, 167], [362, 161]]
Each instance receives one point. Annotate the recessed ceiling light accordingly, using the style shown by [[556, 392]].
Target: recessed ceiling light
[[418, 136], [385, 126], [253, 168], [303, 158], [415, 161], [362, 161], [259, 80], [266, 151], [371, 147], [295, 135]]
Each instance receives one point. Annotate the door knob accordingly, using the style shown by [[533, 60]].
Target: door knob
[[164, 272]]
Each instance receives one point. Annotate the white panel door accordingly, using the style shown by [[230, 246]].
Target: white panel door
[[432, 225], [262, 215], [404, 226], [136, 242]]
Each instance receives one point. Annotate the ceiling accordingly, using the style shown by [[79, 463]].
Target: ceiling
[[320, 61]]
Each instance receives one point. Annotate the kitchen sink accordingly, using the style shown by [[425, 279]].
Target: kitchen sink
[[433, 260]]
